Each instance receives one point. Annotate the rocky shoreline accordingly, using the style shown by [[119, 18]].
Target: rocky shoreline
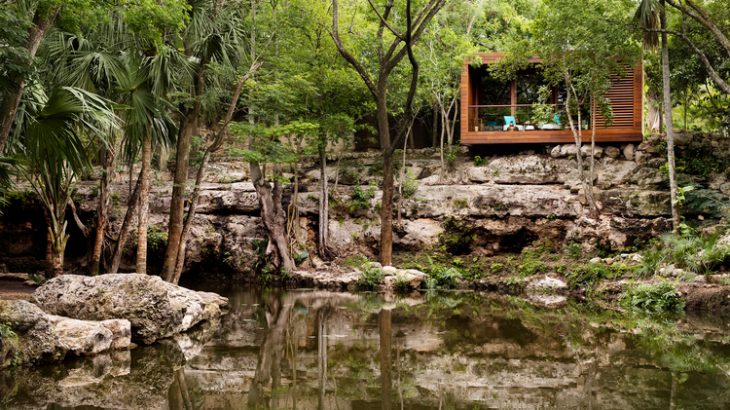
[[75, 315]]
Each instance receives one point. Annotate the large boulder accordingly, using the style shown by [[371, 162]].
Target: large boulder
[[39, 337], [156, 309]]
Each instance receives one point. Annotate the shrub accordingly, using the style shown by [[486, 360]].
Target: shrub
[[355, 261], [361, 198], [574, 250], [661, 297], [479, 161], [695, 254], [443, 278], [590, 274], [370, 277], [401, 284], [409, 186]]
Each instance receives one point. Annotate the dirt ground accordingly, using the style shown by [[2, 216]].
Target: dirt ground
[[15, 289]]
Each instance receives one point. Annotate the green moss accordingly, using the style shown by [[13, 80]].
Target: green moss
[[9, 346]]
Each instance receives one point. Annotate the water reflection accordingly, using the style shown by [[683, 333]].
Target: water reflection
[[307, 350]]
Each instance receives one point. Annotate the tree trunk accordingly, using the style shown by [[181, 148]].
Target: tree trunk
[[654, 116], [102, 210], [434, 127], [323, 231], [667, 98], [386, 209], [578, 138], [41, 23], [182, 248], [177, 202], [59, 238], [126, 227], [386, 214], [274, 218], [144, 205], [214, 146]]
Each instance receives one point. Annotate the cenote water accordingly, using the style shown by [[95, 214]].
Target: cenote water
[[320, 350]]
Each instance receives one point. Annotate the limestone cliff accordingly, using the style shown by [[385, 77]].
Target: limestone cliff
[[500, 202]]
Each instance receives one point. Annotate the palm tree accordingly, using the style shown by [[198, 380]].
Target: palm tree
[[123, 68], [147, 126], [52, 130], [652, 17]]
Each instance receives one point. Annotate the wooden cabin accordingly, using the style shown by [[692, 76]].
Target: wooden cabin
[[494, 111]]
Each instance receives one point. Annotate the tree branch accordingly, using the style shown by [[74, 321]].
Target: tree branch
[[384, 19], [345, 54], [698, 14], [719, 81], [426, 14]]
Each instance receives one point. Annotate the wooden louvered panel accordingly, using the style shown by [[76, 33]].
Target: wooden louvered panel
[[621, 96]]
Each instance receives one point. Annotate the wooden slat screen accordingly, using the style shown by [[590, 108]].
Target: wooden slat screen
[[621, 96]]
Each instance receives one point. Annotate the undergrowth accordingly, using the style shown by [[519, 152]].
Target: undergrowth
[[659, 298]]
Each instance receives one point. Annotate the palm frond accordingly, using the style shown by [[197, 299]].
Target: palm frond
[[647, 15]]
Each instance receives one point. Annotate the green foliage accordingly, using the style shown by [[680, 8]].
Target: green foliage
[[457, 237], [355, 261], [401, 284], [410, 185], [697, 254], [370, 277], [151, 19], [479, 161], [156, 239], [574, 250], [589, 274], [300, 257], [661, 297], [542, 112], [361, 198], [442, 277], [451, 156]]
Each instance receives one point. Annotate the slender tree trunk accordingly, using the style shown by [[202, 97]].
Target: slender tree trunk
[[434, 127], [577, 131], [667, 98], [59, 238], [182, 248], [132, 204], [41, 23], [182, 159], [144, 205], [323, 231], [213, 147], [102, 210], [592, 172], [386, 208]]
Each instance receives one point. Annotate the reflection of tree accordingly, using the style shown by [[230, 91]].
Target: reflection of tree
[[322, 333], [278, 314], [178, 395], [385, 324]]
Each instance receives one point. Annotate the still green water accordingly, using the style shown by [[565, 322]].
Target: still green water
[[322, 350]]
